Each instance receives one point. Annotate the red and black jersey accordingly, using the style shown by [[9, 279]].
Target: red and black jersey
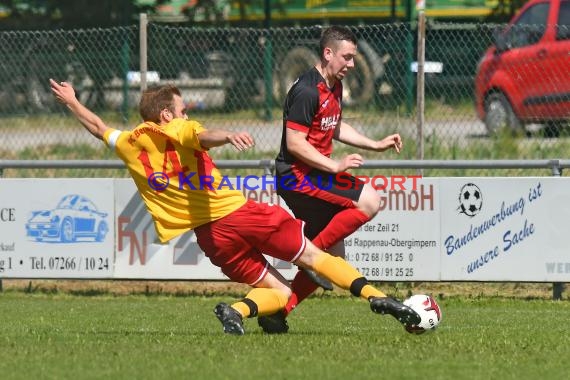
[[314, 108]]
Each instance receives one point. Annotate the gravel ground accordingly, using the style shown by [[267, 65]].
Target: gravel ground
[[189, 288]]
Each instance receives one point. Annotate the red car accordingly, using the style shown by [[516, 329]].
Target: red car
[[525, 77]]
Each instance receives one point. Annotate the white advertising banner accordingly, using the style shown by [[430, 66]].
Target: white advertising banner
[[56, 228], [428, 229], [402, 242], [505, 229]]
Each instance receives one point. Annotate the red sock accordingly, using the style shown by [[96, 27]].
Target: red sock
[[302, 287], [341, 225]]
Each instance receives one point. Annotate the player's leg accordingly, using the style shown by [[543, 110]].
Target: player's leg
[[369, 201], [304, 283], [224, 245], [344, 275], [333, 211], [349, 219], [286, 242], [268, 297], [317, 214]]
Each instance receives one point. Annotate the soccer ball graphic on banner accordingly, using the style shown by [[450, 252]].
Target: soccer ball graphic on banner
[[470, 199], [429, 311]]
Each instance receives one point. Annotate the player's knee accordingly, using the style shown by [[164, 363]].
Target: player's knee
[[369, 201], [307, 257]]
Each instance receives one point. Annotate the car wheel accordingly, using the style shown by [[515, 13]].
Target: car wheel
[[67, 234], [552, 129], [296, 62], [101, 231], [500, 115]]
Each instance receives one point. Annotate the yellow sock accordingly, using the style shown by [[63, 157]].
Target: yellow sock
[[337, 270], [261, 301]]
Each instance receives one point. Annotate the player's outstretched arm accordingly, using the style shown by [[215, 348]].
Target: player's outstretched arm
[[65, 94], [216, 137], [348, 135]]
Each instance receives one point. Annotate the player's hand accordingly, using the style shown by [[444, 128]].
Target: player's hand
[[392, 141], [241, 140], [62, 91], [349, 162]]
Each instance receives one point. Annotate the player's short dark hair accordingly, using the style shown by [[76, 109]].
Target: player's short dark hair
[[155, 99], [332, 35]]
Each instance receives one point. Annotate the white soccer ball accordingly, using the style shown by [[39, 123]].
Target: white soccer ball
[[429, 311]]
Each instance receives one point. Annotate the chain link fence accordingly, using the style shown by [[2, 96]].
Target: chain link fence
[[237, 78]]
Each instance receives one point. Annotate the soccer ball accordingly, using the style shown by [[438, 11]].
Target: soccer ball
[[428, 310], [470, 199]]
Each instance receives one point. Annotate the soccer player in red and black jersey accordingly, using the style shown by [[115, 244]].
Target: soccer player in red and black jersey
[[316, 187]]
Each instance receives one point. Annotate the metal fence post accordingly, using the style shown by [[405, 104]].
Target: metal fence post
[[125, 67], [420, 87], [143, 60], [409, 51], [557, 287], [268, 62]]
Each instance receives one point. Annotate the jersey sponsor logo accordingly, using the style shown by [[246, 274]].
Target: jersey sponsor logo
[[138, 132], [329, 122]]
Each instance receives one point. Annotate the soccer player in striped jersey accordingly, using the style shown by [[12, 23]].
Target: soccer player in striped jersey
[[315, 186]]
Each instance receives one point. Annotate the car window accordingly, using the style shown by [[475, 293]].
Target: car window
[[563, 27], [68, 201], [530, 26], [85, 205], [91, 206]]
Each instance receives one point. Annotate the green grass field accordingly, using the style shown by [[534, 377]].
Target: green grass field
[[63, 336]]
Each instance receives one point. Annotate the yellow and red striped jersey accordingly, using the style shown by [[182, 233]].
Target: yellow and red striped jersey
[[178, 181]]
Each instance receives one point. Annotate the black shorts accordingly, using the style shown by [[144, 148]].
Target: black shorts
[[316, 205]]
